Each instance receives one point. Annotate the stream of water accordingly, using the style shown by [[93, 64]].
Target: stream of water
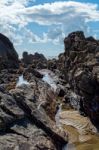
[[49, 77], [21, 81]]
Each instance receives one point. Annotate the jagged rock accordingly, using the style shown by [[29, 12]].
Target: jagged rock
[[8, 55], [80, 69], [60, 91], [30, 72], [37, 60], [8, 78], [27, 118], [51, 64]]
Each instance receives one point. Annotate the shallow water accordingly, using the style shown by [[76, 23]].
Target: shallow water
[[79, 130], [50, 81], [69, 147], [21, 81], [49, 77]]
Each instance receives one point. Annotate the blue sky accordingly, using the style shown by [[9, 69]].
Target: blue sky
[[41, 25]]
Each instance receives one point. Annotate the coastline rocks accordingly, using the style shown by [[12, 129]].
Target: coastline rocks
[[27, 118], [53, 81], [8, 55], [30, 72], [81, 123], [8, 78], [81, 63], [37, 60], [52, 64], [79, 128]]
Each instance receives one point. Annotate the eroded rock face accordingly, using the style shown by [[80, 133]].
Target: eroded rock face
[[81, 71], [27, 118], [8, 55]]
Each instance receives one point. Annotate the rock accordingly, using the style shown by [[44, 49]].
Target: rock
[[80, 64], [8, 78], [60, 91], [39, 56], [27, 118], [8, 55], [30, 71], [77, 126], [81, 123], [52, 64], [37, 60]]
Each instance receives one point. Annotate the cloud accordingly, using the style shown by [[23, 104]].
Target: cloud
[[54, 34], [59, 12], [66, 16], [10, 2]]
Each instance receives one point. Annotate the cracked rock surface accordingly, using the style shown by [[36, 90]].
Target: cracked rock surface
[[24, 125]]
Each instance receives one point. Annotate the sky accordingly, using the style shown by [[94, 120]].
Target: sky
[[41, 25]]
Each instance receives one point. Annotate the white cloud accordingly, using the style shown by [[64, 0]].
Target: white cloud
[[58, 12], [55, 34], [10, 2], [15, 15]]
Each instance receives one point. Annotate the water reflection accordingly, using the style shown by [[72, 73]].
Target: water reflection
[[69, 147]]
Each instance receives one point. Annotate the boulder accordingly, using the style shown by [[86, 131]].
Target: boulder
[[8, 55]]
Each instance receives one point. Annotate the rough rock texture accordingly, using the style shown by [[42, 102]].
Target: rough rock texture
[[27, 118], [8, 55], [30, 72], [8, 78], [80, 66], [37, 60]]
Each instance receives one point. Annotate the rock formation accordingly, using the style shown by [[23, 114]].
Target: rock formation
[[37, 60], [27, 112], [8, 55], [27, 118], [80, 66]]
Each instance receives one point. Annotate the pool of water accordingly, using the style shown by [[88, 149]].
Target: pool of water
[[69, 146], [80, 135]]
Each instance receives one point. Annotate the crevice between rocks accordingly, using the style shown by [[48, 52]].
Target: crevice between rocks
[[58, 141], [7, 111], [15, 132]]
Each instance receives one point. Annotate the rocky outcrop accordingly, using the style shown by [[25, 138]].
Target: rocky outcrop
[[30, 72], [8, 78], [27, 118], [37, 60], [27, 112], [8, 55], [81, 71]]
